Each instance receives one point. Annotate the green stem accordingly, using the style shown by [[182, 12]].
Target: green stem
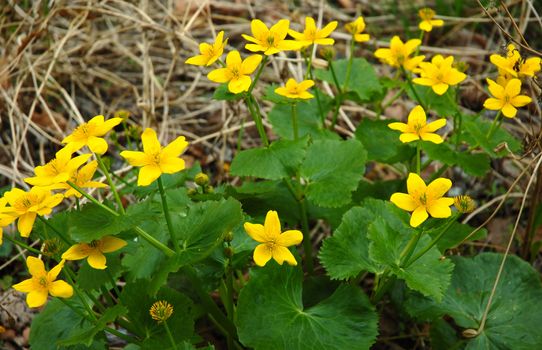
[[258, 73], [411, 86], [110, 182], [153, 241], [338, 97], [307, 243], [68, 273], [494, 125], [58, 233], [349, 66], [432, 243], [22, 245], [418, 157], [308, 73], [294, 121], [257, 119], [113, 282], [458, 118], [77, 204], [170, 336], [409, 249], [167, 214], [229, 304]]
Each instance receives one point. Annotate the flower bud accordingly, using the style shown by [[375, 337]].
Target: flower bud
[[228, 237], [201, 179], [464, 204], [208, 189], [228, 251], [328, 53]]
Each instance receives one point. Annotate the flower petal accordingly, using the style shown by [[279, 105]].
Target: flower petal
[[404, 201], [417, 117], [151, 145], [55, 271], [97, 260], [282, 254], [60, 289], [25, 286], [415, 185], [233, 59], [398, 126], [256, 232], [237, 86], [435, 125], [328, 29], [258, 28], [513, 87], [440, 208], [249, 65], [509, 111], [176, 147], [171, 165], [431, 137], [76, 252], [111, 244], [272, 225], [262, 254], [25, 223], [493, 104], [437, 188], [408, 137], [418, 216], [290, 237], [521, 100], [135, 158], [97, 145], [220, 75], [36, 298], [440, 89], [148, 174], [495, 89], [198, 60]]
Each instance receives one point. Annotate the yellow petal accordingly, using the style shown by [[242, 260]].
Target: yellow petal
[[97, 145], [25, 286], [199, 60], [290, 237], [306, 84], [417, 117], [233, 59], [220, 75], [111, 244], [107, 126], [455, 77], [418, 216], [324, 41], [398, 126], [513, 87], [151, 145], [415, 184], [435, 125], [256, 232], [408, 137], [281, 28], [440, 89], [262, 254], [25, 224], [328, 29], [495, 89], [437, 23], [36, 298], [360, 38], [404, 201], [493, 104], [250, 64], [440, 208], [55, 271], [509, 111], [171, 165], [176, 147], [425, 26], [282, 254], [431, 137], [255, 48], [437, 188], [60, 289], [520, 100], [423, 81], [411, 45], [272, 225], [76, 252], [258, 28], [135, 158], [237, 86], [97, 260], [148, 174]]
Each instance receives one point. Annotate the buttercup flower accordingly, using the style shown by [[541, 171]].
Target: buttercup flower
[[513, 65], [83, 179], [293, 89], [417, 127], [356, 28], [274, 243], [270, 40], [7, 216], [94, 251], [43, 283], [237, 72], [156, 160], [91, 134], [209, 53], [398, 55], [161, 310], [57, 170], [507, 98], [427, 23], [439, 74], [422, 199], [312, 35], [27, 205]]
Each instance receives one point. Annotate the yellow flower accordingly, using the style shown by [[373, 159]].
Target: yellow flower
[[274, 243], [422, 199], [94, 250], [58, 170], [156, 160], [417, 127], [237, 72], [356, 28], [27, 205], [398, 55], [161, 310], [293, 89], [209, 53], [270, 40], [83, 179], [439, 74], [7, 216], [43, 283], [507, 98], [514, 65], [90, 134], [427, 23], [312, 35]]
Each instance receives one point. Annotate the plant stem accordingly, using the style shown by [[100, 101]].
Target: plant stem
[[308, 73], [167, 214], [294, 121], [170, 336], [418, 157], [92, 199], [257, 119], [349, 66], [68, 273], [22, 245], [258, 73], [494, 125], [338, 97], [229, 304], [110, 182], [307, 243], [411, 86], [58, 233]]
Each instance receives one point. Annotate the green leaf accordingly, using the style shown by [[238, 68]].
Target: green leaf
[[280, 160], [170, 181], [428, 275], [271, 314], [333, 170], [455, 235], [271, 95], [90, 279], [58, 321], [476, 164], [308, 119], [440, 103], [363, 79], [86, 337], [514, 314], [382, 143], [476, 130], [200, 231], [223, 94], [92, 222]]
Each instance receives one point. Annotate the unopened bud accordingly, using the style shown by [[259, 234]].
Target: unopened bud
[[52, 247], [470, 333], [228, 237], [208, 189], [228, 251], [328, 53], [201, 179], [191, 191]]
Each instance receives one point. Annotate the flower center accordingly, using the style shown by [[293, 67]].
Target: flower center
[[210, 52], [271, 40], [311, 34], [43, 281], [423, 198], [94, 243], [235, 72]]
